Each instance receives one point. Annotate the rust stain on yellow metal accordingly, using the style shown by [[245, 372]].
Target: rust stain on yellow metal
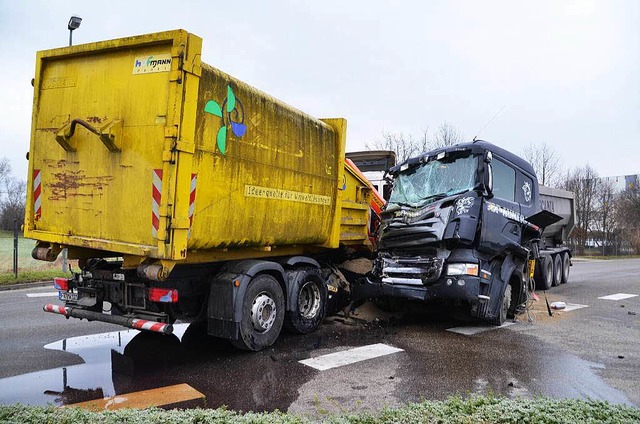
[[179, 161], [143, 399]]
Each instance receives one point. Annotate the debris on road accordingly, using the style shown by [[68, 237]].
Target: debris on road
[[558, 305]]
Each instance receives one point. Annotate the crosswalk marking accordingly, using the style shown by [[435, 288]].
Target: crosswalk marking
[[618, 296], [351, 356], [47, 294]]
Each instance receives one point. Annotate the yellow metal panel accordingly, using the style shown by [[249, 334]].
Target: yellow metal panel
[[267, 174]]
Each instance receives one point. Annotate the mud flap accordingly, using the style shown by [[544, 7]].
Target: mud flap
[[221, 306], [226, 294]]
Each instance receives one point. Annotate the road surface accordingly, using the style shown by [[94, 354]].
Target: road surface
[[366, 363]]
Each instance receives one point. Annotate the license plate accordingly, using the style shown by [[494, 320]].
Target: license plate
[[68, 296]]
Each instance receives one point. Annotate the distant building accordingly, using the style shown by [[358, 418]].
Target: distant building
[[623, 182]]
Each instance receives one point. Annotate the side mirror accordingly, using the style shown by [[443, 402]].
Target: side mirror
[[488, 180]]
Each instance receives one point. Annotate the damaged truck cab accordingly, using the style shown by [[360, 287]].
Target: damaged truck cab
[[462, 223]]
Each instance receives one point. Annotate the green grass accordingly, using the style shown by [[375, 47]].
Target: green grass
[[25, 261], [476, 409], [29, 269], [8, 278]]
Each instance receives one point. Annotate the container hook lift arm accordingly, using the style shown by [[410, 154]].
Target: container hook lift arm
[[106, 134]]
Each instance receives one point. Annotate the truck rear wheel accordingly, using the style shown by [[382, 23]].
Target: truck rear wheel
[[557, 270], [566, 264], [545, 280], [310, 300], [262, 314]]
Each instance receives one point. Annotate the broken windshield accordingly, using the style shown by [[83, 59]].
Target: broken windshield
[[435, 179]]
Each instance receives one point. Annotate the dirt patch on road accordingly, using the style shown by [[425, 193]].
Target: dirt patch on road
[[537, 311]]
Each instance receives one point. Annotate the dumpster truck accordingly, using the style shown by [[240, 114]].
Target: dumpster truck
[[469, 223], [185, 193], [555, 256]]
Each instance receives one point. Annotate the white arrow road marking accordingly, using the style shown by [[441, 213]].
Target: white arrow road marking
[[573, 307], [471, 330], [618, 296], [351, 356]]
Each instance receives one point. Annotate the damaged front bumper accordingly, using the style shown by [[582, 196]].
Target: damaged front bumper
[[467, 288]]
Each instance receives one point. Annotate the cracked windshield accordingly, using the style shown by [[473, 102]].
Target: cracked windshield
[[436, 179]]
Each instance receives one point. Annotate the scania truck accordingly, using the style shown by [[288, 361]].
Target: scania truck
[[469, 223]]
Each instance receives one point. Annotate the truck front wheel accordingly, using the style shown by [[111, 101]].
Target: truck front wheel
[[262, 314], [503, 309], [310, 300]]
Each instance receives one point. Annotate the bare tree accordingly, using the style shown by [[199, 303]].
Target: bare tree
[[404, 145], [5, 170], [628, 213], [545, 162], [605, 207], [583, 182], [446, 135], [12, 206], [12, 197]]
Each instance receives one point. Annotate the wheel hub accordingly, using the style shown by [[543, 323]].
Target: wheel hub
[[309, 300], [263, 313]]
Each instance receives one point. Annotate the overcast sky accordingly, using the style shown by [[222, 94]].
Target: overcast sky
[[563, 72]]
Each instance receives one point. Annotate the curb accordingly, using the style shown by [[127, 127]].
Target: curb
[[26, 285]]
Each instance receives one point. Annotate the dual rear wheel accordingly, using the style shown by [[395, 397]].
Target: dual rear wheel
[[264, 312]]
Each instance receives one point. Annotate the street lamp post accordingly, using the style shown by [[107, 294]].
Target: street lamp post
[[74, 23]]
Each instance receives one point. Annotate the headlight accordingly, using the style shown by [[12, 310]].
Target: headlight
[[462, 269]]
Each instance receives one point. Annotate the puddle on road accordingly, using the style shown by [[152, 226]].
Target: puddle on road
[[127, 361], [501, 362]]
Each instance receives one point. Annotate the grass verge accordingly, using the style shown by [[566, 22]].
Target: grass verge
[[8, 278], [476, 409]]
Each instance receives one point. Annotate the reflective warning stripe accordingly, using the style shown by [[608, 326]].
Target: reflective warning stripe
[[56, 309], [192, 201], [156, 198], [37, 191], [141, 324]]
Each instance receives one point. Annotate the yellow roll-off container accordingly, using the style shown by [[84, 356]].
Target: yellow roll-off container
[[140, 150]]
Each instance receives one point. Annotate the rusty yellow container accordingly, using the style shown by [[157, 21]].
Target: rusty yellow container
[[140, 150]]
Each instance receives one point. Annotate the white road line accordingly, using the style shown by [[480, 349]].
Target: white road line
[[351, 356], [48, 294], [471, 330], [573, 307], [618, 296]]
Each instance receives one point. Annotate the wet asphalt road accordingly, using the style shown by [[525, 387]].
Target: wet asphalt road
[[573, 354]]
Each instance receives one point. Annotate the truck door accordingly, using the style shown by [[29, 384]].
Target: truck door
[[526, 193], [501, 214]]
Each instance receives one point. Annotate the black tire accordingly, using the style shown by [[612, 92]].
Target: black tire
[[262, 314], [566, 265], [545, 280], [310, 301], [503, 309], [557, 270]]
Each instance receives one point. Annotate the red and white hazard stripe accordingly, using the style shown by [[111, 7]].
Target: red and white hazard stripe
[[192, 201], [56, 309], [156, 198], [142, 324], [37, 192]]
